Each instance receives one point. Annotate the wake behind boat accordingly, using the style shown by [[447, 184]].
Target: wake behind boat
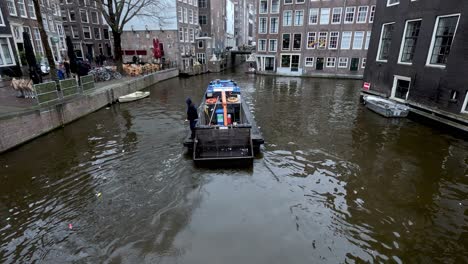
[[133, 96], [225, 130]]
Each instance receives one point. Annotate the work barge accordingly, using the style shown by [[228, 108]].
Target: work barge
[[226, 132]]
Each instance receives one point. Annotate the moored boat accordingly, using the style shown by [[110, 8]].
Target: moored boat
[[225, 130], [133, 96], [385, 107]]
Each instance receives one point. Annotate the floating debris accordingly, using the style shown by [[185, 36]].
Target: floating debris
[[70, 226], [98, 194]]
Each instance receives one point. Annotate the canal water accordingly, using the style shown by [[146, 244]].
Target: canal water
[[336, 184]]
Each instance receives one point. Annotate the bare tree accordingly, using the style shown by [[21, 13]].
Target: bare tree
[[45, 42], [118, 13]]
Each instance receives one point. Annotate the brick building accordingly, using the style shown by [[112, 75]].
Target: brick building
[[314, 38], [7, 48], [418, 55]]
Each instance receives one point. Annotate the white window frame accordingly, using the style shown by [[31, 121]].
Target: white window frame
[[367, 40], [362, 40], [400, 53], [354, 15], [271, 7], [326, 40], [94, 33], [380, 42], [365, 17], [277, 25], [315, 40], [260, 9], [90, 32], [294, 19], [73, 32], [14, 8], [346, 60], [24, 8], [12, 55], [465, 103], [290, 2], [334, 62], [431, 49], [372, 12], [29, 4], [317, 13], [395, 81], [2, 22], [333, 13], [290, 60], [337, 40], [350, 40], [320, 17], [363, 63], [292, 42], [87, 16], [393, 4], [305, 62], [266, 45], [269, 45], [266, 25]]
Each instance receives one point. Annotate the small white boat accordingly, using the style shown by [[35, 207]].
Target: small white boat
[[133, 96], [385, 107]]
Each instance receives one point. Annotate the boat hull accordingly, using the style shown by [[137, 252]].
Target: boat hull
[[386, 107], [133, 97]]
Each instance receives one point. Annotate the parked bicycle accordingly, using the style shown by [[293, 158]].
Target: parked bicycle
[[104, 74]]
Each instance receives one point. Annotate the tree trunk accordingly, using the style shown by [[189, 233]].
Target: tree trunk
[[45, 42], [118, 50]]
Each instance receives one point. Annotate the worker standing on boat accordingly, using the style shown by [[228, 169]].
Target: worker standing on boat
[[192, 116]]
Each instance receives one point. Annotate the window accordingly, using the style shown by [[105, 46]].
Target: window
[[291, 62], [297, 40], [392, 2], [324, 16], [202, 3], [299, 17], [38, 42], [286, 41], [385, 41], [358, 40], [273, 25], [343, 62], [311, 40], [181, 34], [313, 16], [106, 33], [185, 15], [300, 1], [186, 35], [192, 35], [44, 22], [336, 15], [362, 14], [2, 23], [363, 63], [75, 32], [333, 42], [11, 8], [322, 40], [285, 61], [400, 89], [87, 32], [465, 104], [31, 10], [273, 45], [200, 44], [190, 16], [349, 15], [263, 7], [331, 61], [201, 58], [71, 15], [195, 16], [309, 62], [97, 33], [60, 30], [286, 2], [179, 14], [84, 16], [274, 6], [442, 39], [94, 17], [202, 20], [372, 14], [346, 40], [287, 18], [410, 38], [22, 8], [51, 24], [262, 25], [368, 35], [262, 45], [6, 53]]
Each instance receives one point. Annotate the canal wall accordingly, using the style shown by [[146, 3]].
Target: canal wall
[[18, 128]]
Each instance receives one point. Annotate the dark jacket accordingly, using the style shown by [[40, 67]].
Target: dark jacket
[[191, 110]]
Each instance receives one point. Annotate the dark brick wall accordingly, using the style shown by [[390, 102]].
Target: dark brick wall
[[429, 86]]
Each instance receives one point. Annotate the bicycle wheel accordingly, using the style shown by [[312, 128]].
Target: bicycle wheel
[[106, 76], [117, 75]]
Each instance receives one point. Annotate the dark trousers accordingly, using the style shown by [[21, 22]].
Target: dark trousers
[[192, 127]]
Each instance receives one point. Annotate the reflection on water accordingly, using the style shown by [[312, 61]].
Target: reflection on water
[[336, 184]]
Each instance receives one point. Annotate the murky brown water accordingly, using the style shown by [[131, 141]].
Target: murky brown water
[[336, 184]]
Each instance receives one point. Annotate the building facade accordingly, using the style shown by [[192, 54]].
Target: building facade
[[418, 54], [187, 23], [139, 42], [7, 48], [314, 38], [244, 22], [83, 22]]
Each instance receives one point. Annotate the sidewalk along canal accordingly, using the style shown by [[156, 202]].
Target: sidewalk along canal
[[21, 124]]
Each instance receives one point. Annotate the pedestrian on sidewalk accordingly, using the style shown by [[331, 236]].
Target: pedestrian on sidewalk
[[192, 116]]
